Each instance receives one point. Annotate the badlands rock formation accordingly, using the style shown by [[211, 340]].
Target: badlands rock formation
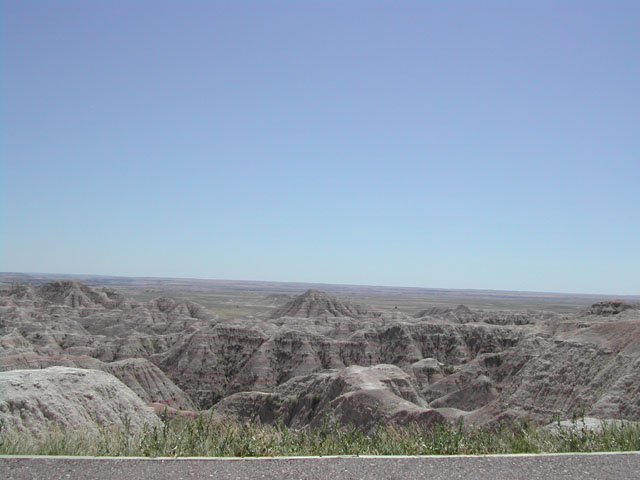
[[315, 303], [317, 358], [361, 396], [73, 399]]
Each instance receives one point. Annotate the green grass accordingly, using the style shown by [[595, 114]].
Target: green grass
[[202, 437]]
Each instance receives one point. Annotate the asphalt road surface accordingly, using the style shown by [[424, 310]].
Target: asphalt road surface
[[495, 467]]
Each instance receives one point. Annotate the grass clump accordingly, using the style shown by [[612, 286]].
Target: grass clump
[[204, 438]]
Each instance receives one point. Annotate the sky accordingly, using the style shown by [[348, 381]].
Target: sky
[[467, 144]]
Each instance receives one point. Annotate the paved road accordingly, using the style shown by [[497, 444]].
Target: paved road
[[496, 467]]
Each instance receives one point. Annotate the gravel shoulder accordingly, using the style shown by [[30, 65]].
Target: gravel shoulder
[[530, 467]]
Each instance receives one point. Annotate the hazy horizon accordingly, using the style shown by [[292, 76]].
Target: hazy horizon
[[457, 145], [61, 275]]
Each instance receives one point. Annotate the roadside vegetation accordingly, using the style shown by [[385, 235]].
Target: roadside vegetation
[[204, 438]]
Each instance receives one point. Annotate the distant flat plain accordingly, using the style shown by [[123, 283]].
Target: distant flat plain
[[231, 298]]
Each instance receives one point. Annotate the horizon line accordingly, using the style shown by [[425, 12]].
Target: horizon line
[[443, 289]]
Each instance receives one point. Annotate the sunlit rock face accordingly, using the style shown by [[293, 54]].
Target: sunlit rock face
[[70, 398]]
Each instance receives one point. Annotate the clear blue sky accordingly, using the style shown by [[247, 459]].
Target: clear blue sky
[[488, 145]]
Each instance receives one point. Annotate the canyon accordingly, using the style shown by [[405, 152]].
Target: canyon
[[313, 358]]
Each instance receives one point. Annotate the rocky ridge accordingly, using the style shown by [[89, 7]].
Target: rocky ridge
[[315, 304]]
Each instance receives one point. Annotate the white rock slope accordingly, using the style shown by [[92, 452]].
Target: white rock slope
[[73, 398]]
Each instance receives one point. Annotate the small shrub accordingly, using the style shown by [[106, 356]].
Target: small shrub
[[448, 369]]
